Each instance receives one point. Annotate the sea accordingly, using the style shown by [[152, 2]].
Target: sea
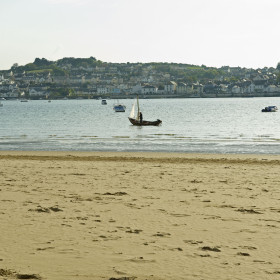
[[198, 125]]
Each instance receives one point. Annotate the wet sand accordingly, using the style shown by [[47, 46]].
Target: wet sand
[[66, 216]]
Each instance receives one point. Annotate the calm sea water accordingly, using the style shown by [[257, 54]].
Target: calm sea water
[[230, 125]]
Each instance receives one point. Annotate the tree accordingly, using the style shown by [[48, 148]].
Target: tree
[[41, 62], [61, 92], [15, 65], [278, 66], [278, 79]]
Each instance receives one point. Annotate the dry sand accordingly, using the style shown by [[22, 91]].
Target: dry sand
[[66, 216]]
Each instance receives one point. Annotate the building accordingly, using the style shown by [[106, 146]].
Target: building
[[181, 88], [170, 87], [36, 92], [148, 89]]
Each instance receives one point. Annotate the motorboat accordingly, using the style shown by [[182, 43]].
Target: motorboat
[[103, 102], [270, 109], [119, 108]]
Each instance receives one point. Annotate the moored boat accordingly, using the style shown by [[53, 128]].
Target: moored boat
[[119, 108], [270, 109]]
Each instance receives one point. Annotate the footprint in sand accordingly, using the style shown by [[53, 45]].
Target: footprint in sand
[[141, 260], [212, 249], [41, 209], [248, 211], [192, 242], [12, 274], [123, 278], [162, 234]]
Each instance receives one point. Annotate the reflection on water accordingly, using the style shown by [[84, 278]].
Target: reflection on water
[[232, 125]]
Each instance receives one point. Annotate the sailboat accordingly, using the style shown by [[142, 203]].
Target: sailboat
[[135, 119]]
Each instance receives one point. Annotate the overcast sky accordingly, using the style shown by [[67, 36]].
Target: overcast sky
[[215, 33]]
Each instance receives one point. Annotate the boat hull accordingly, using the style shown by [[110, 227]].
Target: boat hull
[[144, 123], [119, 108], [270, 109]]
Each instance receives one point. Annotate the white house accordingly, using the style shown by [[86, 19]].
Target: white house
[[236, 90], [250, 88], [102, 90], [272, 88], [259, 87], [144, 89], [10, 94], [170, 87], [148, 89]]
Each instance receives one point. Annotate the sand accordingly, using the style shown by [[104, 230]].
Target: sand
[[66, 216]]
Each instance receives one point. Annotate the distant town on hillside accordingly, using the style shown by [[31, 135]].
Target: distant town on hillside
[[91, 78]]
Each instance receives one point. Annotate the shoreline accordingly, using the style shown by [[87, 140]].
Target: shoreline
[[167, 96], [130, 156], [144, 216]]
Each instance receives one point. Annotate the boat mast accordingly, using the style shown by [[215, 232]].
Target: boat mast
[[138, 109]]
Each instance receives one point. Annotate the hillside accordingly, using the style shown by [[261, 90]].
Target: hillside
[[178, 71]]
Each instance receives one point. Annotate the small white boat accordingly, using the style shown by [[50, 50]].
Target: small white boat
[[103, 102], [119, 108], [270, 109]]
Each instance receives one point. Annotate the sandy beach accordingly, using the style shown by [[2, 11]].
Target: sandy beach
[[103, 215]]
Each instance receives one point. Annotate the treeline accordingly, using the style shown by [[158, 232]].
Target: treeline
[[40, 66], [56, 67], [80, 62], [180, 72]]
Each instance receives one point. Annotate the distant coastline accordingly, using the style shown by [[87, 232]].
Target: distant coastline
[[150, 96], [90, 78]]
